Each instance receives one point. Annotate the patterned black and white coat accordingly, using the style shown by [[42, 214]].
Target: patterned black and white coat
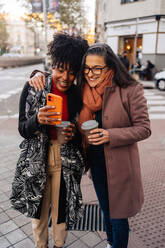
[[30, 174]]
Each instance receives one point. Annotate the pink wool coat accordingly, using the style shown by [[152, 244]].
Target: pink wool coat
[[125, 116]]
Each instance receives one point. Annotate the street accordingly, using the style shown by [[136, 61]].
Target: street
[[147, 227]]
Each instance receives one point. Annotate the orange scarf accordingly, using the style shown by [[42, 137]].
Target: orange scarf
[[93, 98]]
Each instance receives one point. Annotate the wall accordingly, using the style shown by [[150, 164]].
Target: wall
[[117, 11]]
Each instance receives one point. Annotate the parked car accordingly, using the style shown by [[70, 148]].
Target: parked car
[[160, 80]]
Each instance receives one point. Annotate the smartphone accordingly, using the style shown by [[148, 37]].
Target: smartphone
[[54, 100]]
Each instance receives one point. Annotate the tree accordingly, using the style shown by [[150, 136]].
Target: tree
[[70, 12], [3, 34]]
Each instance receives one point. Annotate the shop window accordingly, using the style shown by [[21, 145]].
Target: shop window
[[126, 44]]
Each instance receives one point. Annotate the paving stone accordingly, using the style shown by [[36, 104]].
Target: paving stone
[[51, 242], [70, 239], [8, 227], [91, 239], [79, 233], [12, 213], [32, 238], [15, 236], [27, 229], [3, 217], [77, 244], [5, 205], [21, 220], [102, 235], [3, 197], [26, 243], [5, 176], [101, 245], [8, 193], [4, 243], [4, 169], [5, 186]]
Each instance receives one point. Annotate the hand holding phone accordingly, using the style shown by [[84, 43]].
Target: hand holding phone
[[55, 102], [44, 113]]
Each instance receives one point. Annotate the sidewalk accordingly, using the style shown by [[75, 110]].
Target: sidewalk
[[147, 227]]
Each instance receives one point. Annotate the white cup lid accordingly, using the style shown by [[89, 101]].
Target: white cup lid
[[87, 125], [63, 124]]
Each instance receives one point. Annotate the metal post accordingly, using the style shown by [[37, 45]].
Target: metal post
[[45, 28], [135, 43]]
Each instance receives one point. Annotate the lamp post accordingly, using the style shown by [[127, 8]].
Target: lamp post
[[45, 29], [135, 43]]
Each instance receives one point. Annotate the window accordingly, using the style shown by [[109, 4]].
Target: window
[[128, 1]]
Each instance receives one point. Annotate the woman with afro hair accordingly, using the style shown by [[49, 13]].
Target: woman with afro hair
[[48, 173]]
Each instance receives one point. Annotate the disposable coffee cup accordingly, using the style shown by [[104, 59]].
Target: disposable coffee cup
[[87, 126], [59, 129]]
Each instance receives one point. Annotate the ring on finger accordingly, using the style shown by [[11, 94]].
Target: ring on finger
[[101, 134]]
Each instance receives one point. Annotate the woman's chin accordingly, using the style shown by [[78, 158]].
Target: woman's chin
[[92, 83]]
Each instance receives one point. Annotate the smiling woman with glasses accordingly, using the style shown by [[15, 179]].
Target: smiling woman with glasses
[[115, 100], [94, 70]]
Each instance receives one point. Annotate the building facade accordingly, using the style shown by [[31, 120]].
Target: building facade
[[24, 40], [134, 26]]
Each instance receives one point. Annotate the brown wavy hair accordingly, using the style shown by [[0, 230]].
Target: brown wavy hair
[[122, 77]]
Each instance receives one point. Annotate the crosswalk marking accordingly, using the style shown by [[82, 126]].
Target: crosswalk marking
[[146, 93], [157, 109], [156, 105], [157, 116], [9, 93], [154, 97], [156, 102]]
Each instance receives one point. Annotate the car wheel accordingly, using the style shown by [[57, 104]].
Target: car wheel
[[160, 84]]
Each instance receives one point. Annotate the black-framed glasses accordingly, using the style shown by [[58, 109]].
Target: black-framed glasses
[[94, 70]]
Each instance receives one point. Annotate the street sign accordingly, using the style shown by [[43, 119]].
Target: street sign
[[37, 6], [51, 6]]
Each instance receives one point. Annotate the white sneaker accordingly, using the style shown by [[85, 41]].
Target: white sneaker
[[108, 246]]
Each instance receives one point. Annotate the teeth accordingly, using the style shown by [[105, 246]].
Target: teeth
[[62, 83]]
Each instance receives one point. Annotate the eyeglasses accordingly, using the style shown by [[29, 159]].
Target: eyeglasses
[[94, 70]]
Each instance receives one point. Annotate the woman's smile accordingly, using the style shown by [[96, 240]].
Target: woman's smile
[[95, 61]]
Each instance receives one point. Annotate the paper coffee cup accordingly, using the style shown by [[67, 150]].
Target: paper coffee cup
[[59, 130], [87, 126]]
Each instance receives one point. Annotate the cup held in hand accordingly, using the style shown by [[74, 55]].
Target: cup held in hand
[[59, 129], [87, 126]]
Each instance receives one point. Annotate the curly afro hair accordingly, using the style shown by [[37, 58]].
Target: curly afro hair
[[67, 49]]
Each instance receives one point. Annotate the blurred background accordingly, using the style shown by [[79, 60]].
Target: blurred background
[[136, 27]]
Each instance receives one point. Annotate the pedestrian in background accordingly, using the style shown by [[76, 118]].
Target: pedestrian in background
[[147, 72], [115, 100], [44, 174], [125, 60]]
